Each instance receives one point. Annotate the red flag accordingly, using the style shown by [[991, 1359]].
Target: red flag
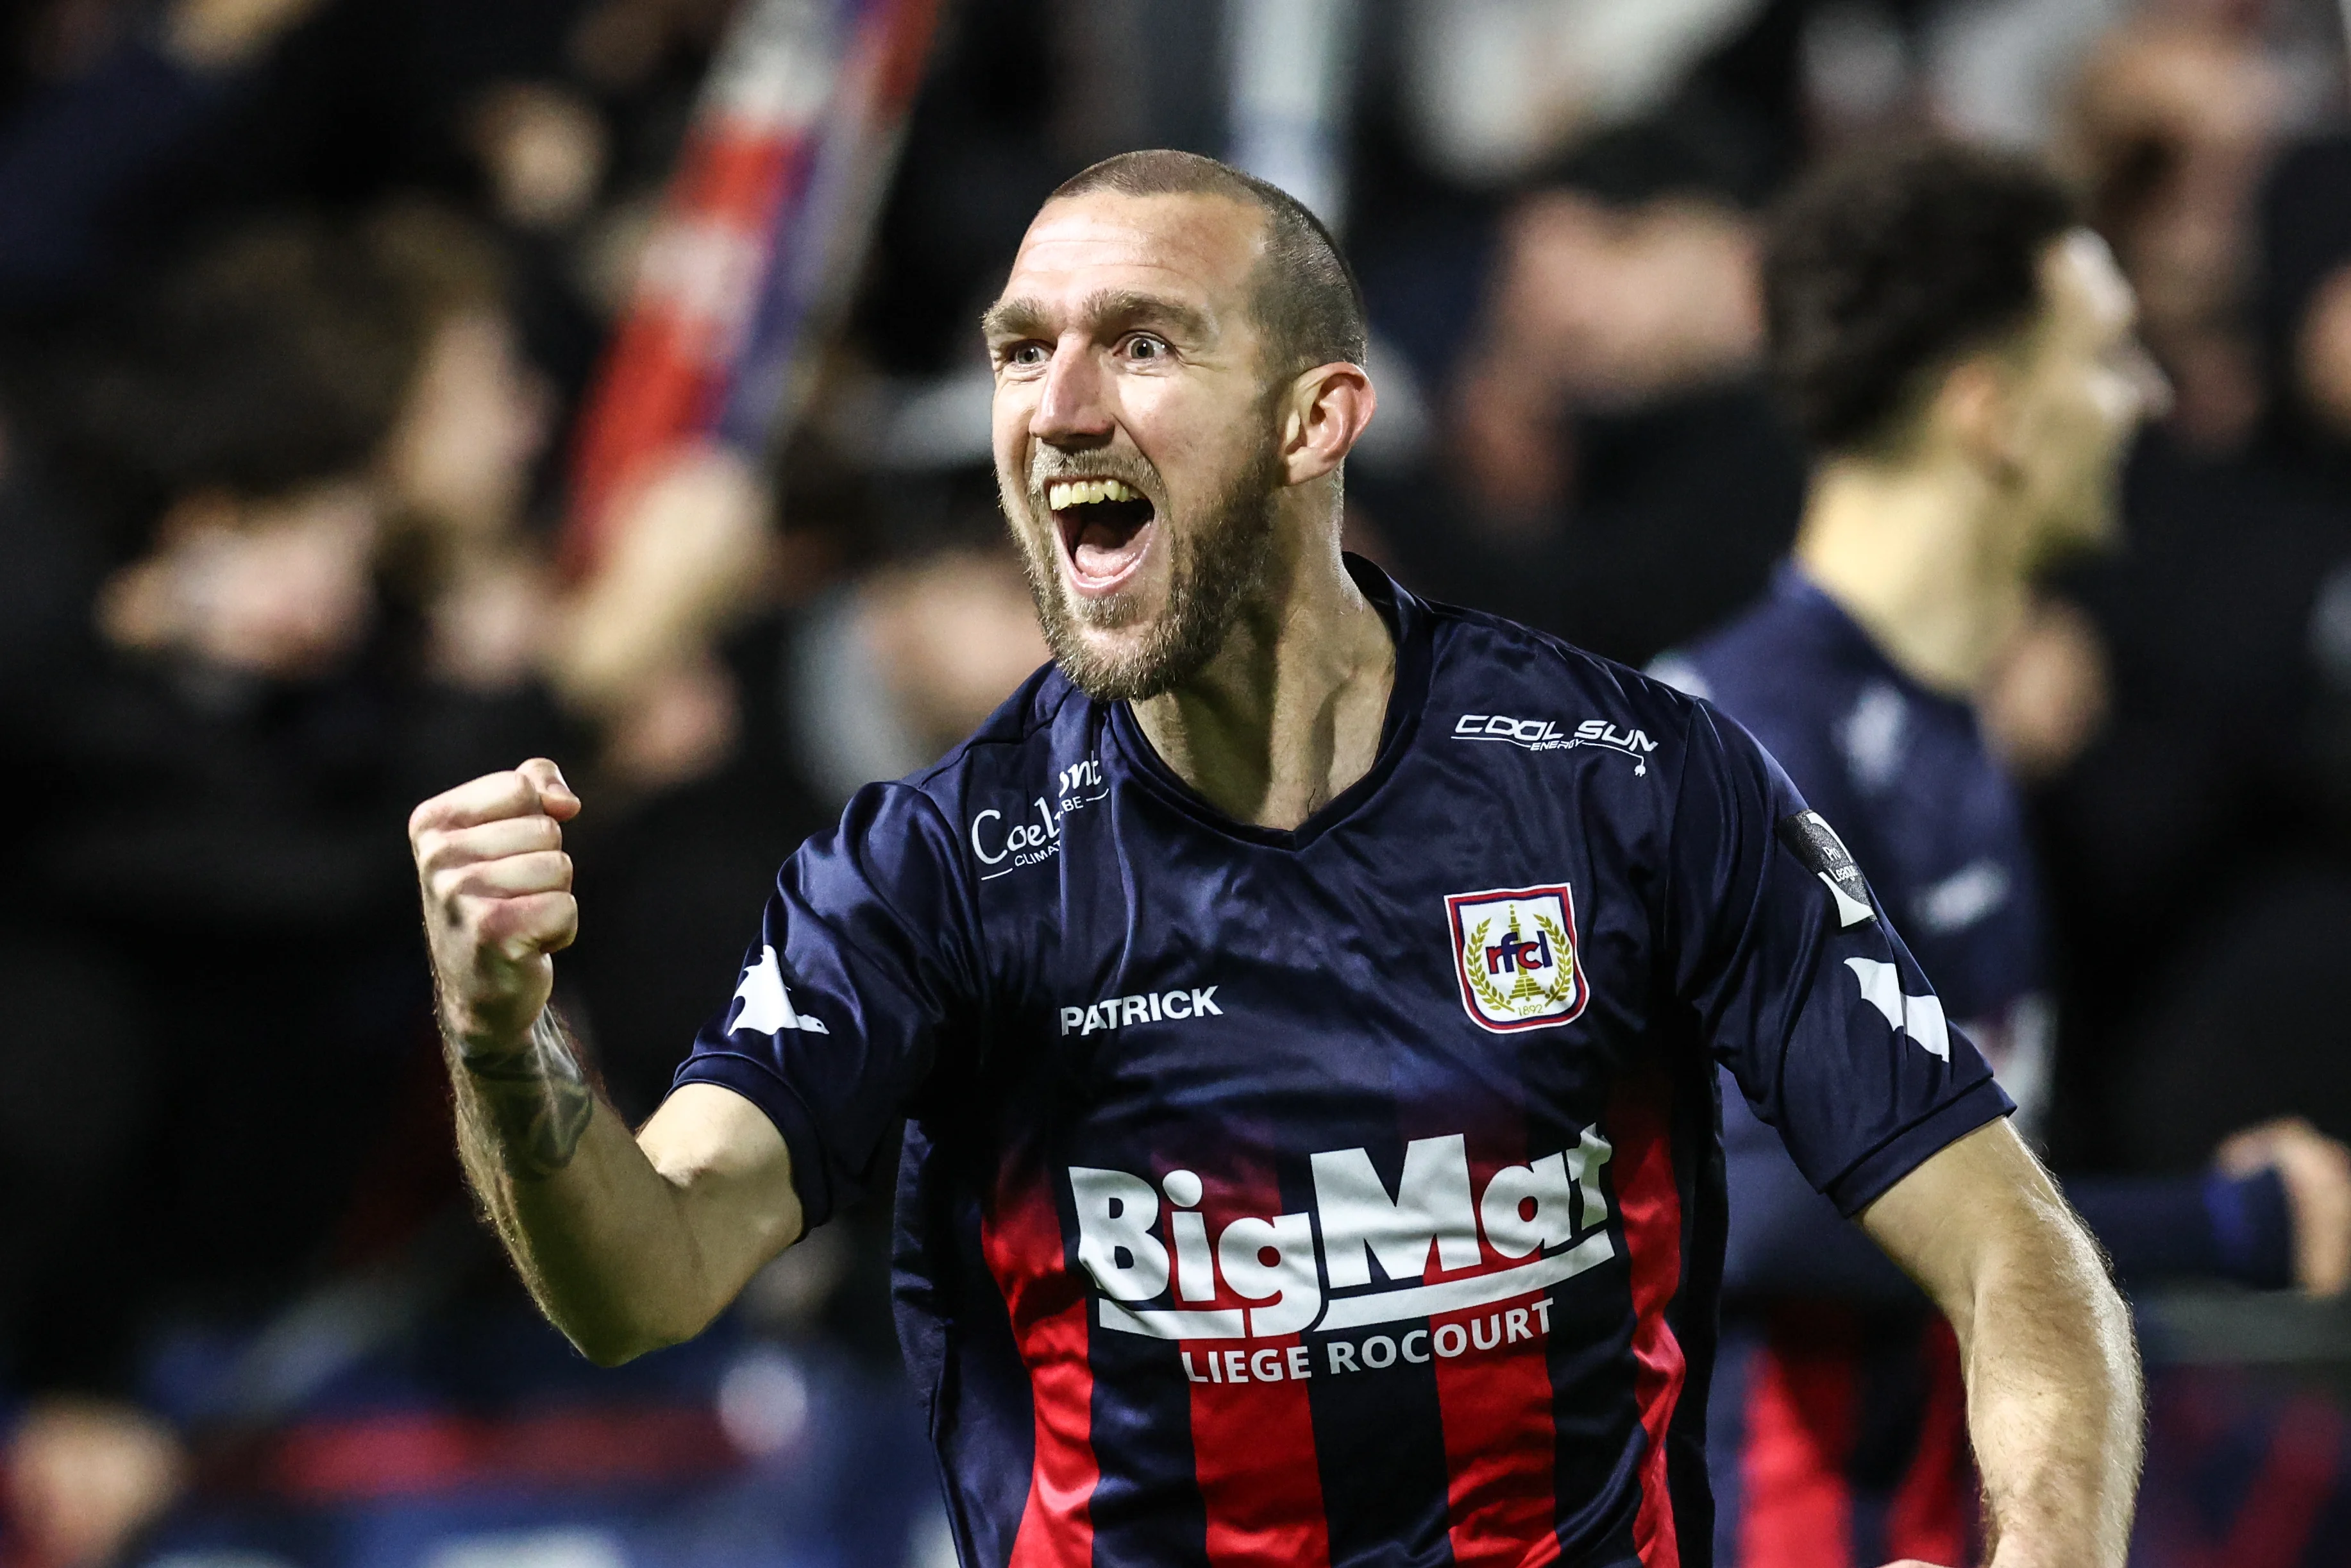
[[760, 239]]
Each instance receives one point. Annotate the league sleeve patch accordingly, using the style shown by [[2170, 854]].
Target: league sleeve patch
[[1812, 841]]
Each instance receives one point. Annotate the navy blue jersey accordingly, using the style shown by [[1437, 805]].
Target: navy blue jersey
[[1349, 1193], [1839, 1427], [1904, 774]]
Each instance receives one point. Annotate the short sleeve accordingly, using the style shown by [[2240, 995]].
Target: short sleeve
[[1800, 985], [861, 968]]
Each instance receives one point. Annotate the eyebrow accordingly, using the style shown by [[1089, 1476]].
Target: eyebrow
[[1026, 318]]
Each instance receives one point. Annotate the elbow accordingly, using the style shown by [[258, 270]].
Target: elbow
[[617, 1341], [607, 1351]]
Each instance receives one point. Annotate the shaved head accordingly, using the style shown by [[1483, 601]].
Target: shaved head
[[1303, 295]]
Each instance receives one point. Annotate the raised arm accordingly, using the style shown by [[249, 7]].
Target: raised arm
[[628, 1243], [2053, 1395]]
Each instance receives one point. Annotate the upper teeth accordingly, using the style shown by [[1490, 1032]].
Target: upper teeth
[[1085, 492]]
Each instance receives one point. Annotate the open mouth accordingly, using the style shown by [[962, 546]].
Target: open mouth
[[1106, 526]]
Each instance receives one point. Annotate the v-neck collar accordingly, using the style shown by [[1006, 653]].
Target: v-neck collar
[[1406, 620]]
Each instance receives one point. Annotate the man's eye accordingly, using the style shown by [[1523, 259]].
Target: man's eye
[[1031, 355], [1144, 346]]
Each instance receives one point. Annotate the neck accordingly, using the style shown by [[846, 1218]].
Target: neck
[[1289, 712], [1917, 555]]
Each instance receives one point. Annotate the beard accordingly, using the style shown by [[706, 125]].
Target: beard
[[1215, 569]]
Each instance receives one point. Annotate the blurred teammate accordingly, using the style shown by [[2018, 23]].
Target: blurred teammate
[[1960, 353], [1307, 1001]]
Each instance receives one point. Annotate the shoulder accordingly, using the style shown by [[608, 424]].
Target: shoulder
[[1043, 729], [1487, 667], [908, 840], [1787, 680], [1769, 661], [1037, 724]]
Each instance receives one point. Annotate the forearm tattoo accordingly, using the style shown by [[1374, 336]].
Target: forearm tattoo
[[535, 1104]]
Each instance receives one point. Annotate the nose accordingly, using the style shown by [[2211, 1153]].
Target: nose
[[1074, 410]]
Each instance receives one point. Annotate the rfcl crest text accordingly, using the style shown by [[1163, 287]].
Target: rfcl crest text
[[1514, 951]]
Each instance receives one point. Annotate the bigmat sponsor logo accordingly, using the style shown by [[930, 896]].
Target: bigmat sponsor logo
[[1546, 1221]]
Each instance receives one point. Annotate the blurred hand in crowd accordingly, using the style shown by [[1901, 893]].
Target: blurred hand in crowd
[[1599, 307], [2317, 1171], [457, 468], [487, 626], [544, 148], [84, 1477], [691, 552], [2045, 698], [281, 588], [476, 419]]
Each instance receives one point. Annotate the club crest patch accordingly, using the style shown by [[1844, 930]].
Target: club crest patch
[[1514, 953]]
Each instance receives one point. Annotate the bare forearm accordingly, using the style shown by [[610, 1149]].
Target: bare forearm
[[2054, 1396], [596, 1231], [628, 1243], [2054, 1400]]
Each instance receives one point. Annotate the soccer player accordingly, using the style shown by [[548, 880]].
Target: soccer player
[[1303, 1004], [1960, 353]]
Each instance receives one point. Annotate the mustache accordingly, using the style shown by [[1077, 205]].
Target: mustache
[[1049, 465]]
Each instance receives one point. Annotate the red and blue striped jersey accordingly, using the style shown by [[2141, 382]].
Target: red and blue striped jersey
[[1346, 1195]]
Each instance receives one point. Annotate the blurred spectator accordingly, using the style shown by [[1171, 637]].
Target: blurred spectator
[[1960, 353], [214, 926], [555, 119], [1502, 87], [2172, 124], [1612, 470], [124, 103], [2210, 814], [2303, 317]]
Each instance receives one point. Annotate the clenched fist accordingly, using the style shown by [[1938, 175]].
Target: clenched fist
[[498, 899]]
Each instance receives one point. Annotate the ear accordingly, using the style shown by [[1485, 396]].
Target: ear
[[1974, 411], [1323, 417]]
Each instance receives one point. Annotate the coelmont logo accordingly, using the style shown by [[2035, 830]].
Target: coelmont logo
[[1514, 953], [1545, 1221], [1004, 843]]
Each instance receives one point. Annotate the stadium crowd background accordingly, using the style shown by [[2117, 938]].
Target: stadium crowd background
[[302, 302]]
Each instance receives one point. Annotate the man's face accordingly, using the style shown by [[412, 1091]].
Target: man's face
[[1133, 433], [2081, 388]]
